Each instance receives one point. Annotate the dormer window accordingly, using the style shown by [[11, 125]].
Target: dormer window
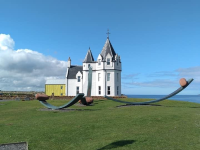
[[108, 61]]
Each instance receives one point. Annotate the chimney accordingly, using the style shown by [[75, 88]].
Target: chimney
[[69, 63]]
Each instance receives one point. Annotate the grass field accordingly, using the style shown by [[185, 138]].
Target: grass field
[[168, 125]]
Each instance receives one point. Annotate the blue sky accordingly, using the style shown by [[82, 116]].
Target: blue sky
[[158, 41]]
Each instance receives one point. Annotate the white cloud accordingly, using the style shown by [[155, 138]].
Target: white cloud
[[155, 83], [25, 69], [192, 72], [163, 74], [130, 76], [6, 42], [167, 79]]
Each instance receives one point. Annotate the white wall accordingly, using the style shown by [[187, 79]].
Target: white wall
[[71, 87], [93, 65], [103, 69], [100, 82], [118, 82], [79, 84], [111, 83]]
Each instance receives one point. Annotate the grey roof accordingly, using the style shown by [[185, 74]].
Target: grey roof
[[73, 70], [108, 49], [88, 58]]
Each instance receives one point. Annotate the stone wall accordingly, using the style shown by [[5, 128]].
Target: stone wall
[[32, 97], [94, 97], [17, 97]]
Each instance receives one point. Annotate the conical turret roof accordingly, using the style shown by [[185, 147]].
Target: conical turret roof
[[108, 48], [89, 57]]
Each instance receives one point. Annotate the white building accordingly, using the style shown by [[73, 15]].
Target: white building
[[106, 75]]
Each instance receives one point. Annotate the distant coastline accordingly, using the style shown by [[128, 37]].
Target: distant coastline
[[188, 98]]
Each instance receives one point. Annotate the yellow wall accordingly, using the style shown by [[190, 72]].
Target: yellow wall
[[55, 88]]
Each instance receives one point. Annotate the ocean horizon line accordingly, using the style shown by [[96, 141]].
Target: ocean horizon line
[[160, 94], [188, 98]]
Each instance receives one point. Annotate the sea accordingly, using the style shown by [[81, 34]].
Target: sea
[[188, 98]]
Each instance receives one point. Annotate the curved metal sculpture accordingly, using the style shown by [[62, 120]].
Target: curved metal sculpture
[[72, 102], [83, 100], [89, 82], [153, 101], [78, 97]]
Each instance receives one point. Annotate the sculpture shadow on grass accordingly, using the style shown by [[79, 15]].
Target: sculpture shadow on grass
[[117, 144], [66, 110], [130, 105]]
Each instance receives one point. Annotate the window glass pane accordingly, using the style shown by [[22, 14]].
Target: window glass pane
[[77, 90], [79, 78], [99, 90], [99, 76], [108, 76], [108, 90], [61, 87], [108, 61]]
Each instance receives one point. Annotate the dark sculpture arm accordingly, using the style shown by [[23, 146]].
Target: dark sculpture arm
[[78, 97], [153, 101], [72, 102]]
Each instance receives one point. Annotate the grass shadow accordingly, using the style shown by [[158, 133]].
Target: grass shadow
[[65, 110], [183, 106], [117, 144], [130, 105]]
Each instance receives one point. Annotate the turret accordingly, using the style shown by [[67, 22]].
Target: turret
[[108, 49], [89, 57]]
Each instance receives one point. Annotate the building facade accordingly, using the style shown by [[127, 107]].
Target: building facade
[[106, 75]]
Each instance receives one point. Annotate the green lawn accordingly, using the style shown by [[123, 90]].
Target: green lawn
[[169, 125]]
